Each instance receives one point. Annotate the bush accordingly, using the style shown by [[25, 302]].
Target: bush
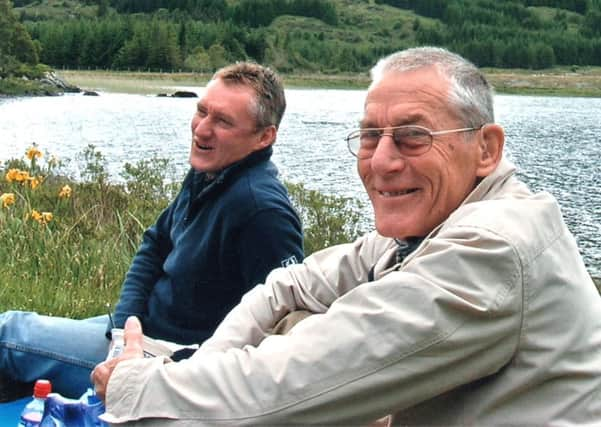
[[327, 220]]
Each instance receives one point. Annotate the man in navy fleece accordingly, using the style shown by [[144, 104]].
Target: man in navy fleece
[[229, 226]]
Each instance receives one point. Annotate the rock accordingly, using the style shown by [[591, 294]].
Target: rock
[[161, 95], [90, 93], [184, 94], [50, 78]]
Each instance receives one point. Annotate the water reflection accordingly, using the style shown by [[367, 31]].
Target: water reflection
[[554, 141]]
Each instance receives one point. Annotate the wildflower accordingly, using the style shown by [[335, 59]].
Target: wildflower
[[7, 199], [11, 175], [17, 175], [47, 217], [34, 182], [41, 217], [65, 192], [33, 152], [36, 215]]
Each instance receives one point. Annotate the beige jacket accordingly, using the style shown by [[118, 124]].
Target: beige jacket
[[492, 320]]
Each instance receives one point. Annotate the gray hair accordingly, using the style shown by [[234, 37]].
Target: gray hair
[[270, 101], [470, 93]]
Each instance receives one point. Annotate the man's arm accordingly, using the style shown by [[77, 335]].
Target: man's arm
[[145, 270], [272, 238], [448, 317], [311, 286], [133, 350]]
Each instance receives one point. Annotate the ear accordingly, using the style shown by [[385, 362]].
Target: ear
[[490, 148], [267, 137]]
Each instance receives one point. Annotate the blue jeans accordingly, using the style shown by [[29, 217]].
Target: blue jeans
[[61, 350]]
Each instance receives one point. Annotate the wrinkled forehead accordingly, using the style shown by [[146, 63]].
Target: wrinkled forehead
[[415, 92], [410, 80]]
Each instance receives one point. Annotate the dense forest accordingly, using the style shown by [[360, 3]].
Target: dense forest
[[326, 36]]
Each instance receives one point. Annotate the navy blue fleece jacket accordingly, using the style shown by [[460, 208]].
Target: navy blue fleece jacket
[[214, 242]]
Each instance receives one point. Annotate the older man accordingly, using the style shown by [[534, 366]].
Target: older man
[[230, 225], [469, 305]]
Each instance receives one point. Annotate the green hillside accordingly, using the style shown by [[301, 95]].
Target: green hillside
[[327, 36]]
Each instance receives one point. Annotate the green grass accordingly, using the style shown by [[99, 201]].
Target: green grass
[[73, 263]]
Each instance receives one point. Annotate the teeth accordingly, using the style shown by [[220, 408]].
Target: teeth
[[395, 193]]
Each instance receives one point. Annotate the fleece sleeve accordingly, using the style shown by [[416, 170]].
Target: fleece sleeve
[[145, 270]]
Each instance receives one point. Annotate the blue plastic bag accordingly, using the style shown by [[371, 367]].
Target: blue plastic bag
[[60, 411]]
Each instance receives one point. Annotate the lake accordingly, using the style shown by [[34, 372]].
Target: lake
[[555, 142]]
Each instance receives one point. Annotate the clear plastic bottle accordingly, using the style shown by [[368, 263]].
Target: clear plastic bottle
[[34, 410]]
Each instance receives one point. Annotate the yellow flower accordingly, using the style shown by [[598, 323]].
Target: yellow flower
[[47, 217], [43, 217], [36, 215], [17, 175], [22, 176], [7, 199], [65, 192], [11, 175], [34, 182], [33, 152]]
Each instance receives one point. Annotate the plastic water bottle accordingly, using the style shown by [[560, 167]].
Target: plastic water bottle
[[34, 410]]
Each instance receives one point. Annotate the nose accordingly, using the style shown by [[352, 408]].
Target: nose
[[386, 158], [201, 126]]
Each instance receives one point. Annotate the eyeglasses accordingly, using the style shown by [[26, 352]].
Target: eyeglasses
[[410, 140]]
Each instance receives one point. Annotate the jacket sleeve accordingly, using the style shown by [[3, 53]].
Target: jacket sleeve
[[308, 286], [448, 317], [145, 269]]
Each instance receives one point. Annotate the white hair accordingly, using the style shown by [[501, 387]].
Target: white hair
[[470, 93]]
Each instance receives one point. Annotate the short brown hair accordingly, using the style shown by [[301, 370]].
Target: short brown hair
[[267, 85]]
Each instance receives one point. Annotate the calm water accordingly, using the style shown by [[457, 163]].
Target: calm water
[[556, 142]]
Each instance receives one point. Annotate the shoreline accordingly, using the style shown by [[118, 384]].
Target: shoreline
[[574, 81]]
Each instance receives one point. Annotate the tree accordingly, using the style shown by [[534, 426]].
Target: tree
[[198, 61], [217, 56], [16, 45]]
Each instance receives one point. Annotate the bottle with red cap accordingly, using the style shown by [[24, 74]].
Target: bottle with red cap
[[34, 410]]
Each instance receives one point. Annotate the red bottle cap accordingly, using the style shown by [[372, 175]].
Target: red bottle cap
[[42, 388]]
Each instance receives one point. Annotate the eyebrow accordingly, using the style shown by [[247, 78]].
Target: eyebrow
[[409, 119], [217, 113]]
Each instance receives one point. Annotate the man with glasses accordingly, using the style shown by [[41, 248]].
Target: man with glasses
[[469, 304], [229, 226]]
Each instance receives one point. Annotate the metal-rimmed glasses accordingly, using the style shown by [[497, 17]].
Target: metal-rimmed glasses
[[410, 140]]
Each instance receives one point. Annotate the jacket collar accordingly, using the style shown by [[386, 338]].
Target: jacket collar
[[208, 185], [489, 184]]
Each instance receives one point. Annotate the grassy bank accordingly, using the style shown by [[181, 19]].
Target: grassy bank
[[582, 81], [154, 83], [66, 243]]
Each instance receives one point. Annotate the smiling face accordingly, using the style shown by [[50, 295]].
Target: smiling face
[[412, 195], [224, 127]]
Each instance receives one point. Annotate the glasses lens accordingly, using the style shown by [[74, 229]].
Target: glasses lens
[[412, 140], [353, 141]]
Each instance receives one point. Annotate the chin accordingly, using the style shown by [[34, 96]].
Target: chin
[[198, 165], [390, 230]]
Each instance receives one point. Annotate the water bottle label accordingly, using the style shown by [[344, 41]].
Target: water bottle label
[[31, 419]]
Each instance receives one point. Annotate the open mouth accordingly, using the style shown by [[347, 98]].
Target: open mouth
[[203, 147], [397, 193]]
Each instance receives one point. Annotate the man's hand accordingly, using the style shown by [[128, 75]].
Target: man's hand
[[133, 338]]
